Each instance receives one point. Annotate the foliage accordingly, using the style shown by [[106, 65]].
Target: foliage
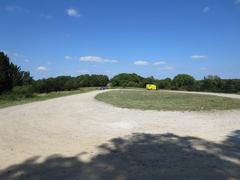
[[92, 80], [165, 83], [25, 91], [11, 74], [212, 83], [63, 83], [183, 82], [5, 79], [127, 80]]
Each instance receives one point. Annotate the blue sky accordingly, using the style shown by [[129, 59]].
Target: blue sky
[[149, 37]]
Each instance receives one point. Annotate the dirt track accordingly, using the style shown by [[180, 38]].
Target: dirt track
[[75, 126]]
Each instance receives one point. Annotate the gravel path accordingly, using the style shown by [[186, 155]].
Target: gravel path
[[77, 125]]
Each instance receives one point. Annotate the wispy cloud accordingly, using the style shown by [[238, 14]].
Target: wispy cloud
[[68, 57], [97, 59], [141, 63], [46, 16], [10, 8], [197, 56], [237, 1], [73, 12], [206, 9], [26, 60], [41, 68], [18, 55], [168, 68], [158, 63]]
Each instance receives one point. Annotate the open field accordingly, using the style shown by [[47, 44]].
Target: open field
[[167, 100], [6, 100], [78, 137]]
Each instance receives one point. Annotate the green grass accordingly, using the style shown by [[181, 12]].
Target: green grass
[[6, 101], [167, 101]]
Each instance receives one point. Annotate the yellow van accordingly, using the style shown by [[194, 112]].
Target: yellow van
[[151, 87]]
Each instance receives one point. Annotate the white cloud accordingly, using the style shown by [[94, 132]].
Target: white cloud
[[46, 16], [68, 58], [11, 9], [196, 56], [237, 1], [73, 12], [169, 68], [41, 68], [157, 63], [141, 63], [26, 60], [206, 9], [96, 59], [18, 55]]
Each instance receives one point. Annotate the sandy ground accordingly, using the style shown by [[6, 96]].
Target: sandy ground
[[77, 125]]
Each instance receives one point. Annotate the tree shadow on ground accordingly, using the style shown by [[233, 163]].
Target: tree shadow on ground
[[141, 157]]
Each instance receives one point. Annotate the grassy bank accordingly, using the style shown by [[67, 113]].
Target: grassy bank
[[172, 101], [8, 100]]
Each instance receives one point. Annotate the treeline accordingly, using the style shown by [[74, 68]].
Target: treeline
[[180, 82], [20, 83], [66, 83], [60, 83]]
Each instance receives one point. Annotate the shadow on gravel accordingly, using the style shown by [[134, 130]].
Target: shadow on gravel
[[141, 156]]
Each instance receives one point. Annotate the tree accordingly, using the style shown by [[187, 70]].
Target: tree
[[19, 77], [71, 84], [184, 81], [11, 74], [5, 73], [165, 83], [212, 83], [148, 80], [98, 80], [230, 86], [127, 80], [26, 78]]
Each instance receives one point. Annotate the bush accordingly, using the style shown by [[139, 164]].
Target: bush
[[164, 84], [212, 83], [22, 92], [71, 84]]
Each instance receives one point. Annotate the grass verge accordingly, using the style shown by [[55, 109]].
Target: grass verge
[[6, 100], [167, 101]]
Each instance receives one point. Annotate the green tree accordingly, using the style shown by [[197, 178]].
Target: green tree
[[11, 74], [184, 82], [212, 83], [165, 83], [230, 86], [5, 73], [127, 80]]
